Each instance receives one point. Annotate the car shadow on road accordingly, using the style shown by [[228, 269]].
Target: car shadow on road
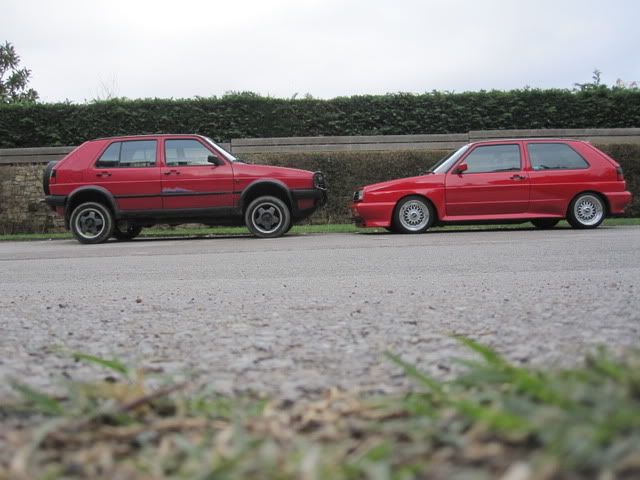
[[470, 229]]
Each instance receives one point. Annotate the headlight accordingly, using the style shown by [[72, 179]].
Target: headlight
[[358, 196], [319, 181]]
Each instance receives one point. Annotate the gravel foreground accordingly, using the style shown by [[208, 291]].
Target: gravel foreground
[[294, 316]]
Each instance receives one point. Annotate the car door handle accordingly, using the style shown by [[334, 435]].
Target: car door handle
[[517, 177], [103, 174], [172, 171]]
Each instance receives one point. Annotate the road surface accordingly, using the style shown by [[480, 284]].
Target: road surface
[[295, 315]]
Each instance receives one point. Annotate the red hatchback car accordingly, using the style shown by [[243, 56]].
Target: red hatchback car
[[506, 181], [116, 186]]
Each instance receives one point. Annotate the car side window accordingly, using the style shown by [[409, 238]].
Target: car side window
[[493, 158], [185, 153], [555, 156], [129, 154]]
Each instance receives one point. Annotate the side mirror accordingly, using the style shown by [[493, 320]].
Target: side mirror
[[463, 167], [215, 160]]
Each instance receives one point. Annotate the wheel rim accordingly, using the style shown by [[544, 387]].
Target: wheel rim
[[90, 223], [267, 217], [588, 210], [414, 215]]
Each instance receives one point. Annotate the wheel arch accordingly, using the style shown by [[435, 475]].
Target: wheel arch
[[92, 193], [262, 187], [415, 194], [601, 195]]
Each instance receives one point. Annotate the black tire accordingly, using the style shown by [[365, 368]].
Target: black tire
[[413, 215], [91, 223], [390, 229], [545, 223], [267, 217], [131, 232], [587, 210]]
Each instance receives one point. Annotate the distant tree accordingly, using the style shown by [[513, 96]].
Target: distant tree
[[595, 82], [631, 85], [13, 80]]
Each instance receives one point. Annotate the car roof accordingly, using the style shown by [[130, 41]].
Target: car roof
[[150, 135], [526, 139]]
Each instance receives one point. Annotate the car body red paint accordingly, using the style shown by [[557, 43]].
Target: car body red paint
[[579, 181], [173, 179]]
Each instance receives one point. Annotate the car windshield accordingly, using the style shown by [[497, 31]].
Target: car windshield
[[445, 164], [221, 150]]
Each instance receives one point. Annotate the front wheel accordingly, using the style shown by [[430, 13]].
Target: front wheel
[[91, 222], [267, 217], [587, 210], [413, 215], [129, 233]]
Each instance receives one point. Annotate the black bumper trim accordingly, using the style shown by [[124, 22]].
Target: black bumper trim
[[318, 195], [55, 200], [310, 194]]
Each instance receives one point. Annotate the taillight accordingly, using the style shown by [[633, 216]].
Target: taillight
[[620, 174]]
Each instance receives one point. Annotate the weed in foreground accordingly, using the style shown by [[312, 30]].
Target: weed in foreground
[[494, 420]]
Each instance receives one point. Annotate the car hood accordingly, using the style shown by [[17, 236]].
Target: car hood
[[251, 170], [421, 181]]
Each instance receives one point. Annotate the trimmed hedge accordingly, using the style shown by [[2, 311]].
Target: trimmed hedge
[[346, 171], [250, 115]]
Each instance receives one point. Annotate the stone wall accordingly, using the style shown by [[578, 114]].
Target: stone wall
[[20, 207]]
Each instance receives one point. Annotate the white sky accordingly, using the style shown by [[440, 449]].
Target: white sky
[[84, 49]]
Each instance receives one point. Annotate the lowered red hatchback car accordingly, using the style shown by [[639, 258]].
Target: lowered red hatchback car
[[506, 181], [116, 186]]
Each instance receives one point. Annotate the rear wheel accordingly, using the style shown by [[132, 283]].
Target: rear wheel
[[587, 210], [545, 223], [413, 215], [91, 222], [128, 233], [267, 217]]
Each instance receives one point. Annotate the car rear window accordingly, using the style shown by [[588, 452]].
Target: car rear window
[[129, 154], [554, 156]]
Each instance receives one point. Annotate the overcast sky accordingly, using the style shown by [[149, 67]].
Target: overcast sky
[[86, 49]]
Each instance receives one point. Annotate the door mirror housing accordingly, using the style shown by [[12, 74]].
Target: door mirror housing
[[215, 160], [463, 167]]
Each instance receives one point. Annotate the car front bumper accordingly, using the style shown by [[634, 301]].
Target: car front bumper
[[307, 201], [370, 214]]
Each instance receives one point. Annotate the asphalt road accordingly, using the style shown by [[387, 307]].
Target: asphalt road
[[294, 315]]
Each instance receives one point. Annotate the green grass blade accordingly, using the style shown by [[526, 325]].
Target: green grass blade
[[490, 356], [496, 419], [416, 374], [43, 402], [114, 364]]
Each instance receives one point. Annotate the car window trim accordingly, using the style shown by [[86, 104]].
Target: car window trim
[[97, 167], [530, 165], [164, 153], [464, 158]]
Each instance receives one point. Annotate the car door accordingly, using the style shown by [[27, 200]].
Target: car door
[[494, 182], [190, 181], [129, 170]]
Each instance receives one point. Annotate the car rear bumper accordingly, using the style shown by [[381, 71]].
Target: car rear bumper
[[55, 200], [618, 201], [366, 214]]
